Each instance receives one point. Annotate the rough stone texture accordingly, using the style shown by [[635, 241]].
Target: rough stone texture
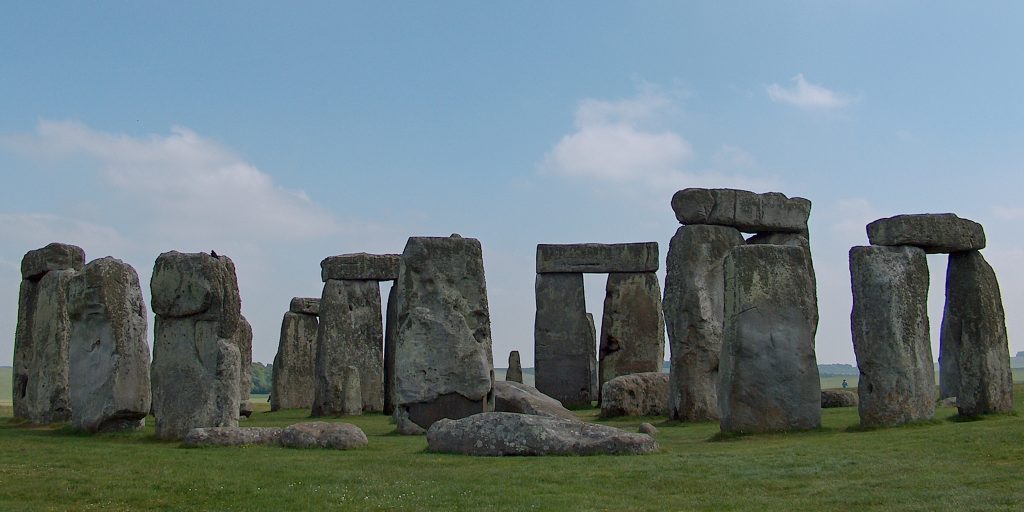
[[305, 305], [521, 398], [933, 232], [232, 436], [515, 368], [743, 210], [505, 433], [637, 394], [196, 363], [790, 239], [317, 434], [837, 398], [694, 314], [293, 372], [890, 335], [647, 428], [55, 256], [633, 326], [563, 340], [974, 333], [243, 340], [769, 374], [390, 326], [108, 349], [597, 258], [338, 392], [595, 386], [360, 267], [443, 362], [351, 334]]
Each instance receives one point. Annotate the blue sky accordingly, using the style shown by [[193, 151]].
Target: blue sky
[[282, 134]]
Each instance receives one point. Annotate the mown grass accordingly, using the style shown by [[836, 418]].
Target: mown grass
[[940, 465]]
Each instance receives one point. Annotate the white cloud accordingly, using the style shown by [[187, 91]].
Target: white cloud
[[806, 95]]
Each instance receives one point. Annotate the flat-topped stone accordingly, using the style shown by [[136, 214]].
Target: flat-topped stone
[[361, 266], [597, 258], [933, 232], [54, 256], [305, 305], [746, 211]]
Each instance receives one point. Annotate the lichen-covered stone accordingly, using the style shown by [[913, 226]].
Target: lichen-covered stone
[[305, 305], [351, 334], [636, 394], [933, 232], [837, 398], [199, 286], [318, 434], [633, 326], [232, 436], [564, 342], [293, 374], [55, 256], [746, 211], [360, 267], [521, 398]]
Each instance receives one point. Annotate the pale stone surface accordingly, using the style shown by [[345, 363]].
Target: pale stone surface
[[305, 305], [974, 333], [933, 232], [633, 326], [294, 365], [694, 314], [510, 396], [515, 368], [108, 350], [769, 374], [837, 398], [890, 335], [443, 362], [318, 434], [747, 211], [390, 326], [55, 256], [243, 340], [636, 394], [199, 286], [505, 433], [351, 333], [232, 436], [597, 258], [563, 340], [360, 267]]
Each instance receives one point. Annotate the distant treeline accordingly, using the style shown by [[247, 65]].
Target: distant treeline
[[262, 378]]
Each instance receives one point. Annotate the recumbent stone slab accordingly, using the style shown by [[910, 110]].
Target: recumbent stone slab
[[318, 434], [361, 267], [633, 326], [510, 396], [564, 342], [747, 211], [305, 305], [294, 365], [636, 394], [597, 258], [351, 334], [232, 436], [933, 232]]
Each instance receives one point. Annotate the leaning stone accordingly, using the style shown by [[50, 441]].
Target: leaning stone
[[933, 232], [199, 286], [243, 340], [563, 340], [318, 434], [108, 349], [351, 334], [54, 256], [515, 368], [506, 433], [633, 327], [836, 398], [305, 305], [694, 312], [232, 436], [974, 333], [360, 267], [890, 335], [293, 373], [637, 394], [647, 428], [521, 398], [769, 374], [597, 258], [746, 211]]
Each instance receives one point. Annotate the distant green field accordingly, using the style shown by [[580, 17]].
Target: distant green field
[[6, 374]]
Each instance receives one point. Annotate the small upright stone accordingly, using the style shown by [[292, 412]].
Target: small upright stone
[[360, 267], [933, 232], [633, 327], [351, 334], [295, 361], [515, 368], [741, 209], [243, 340]]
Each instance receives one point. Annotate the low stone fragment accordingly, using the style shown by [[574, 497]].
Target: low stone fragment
[[933, 232], [647, 428], [837, 398], [318, 434], [293, 373], [350, 334], [597, 258], [305, 305], [232, 436], [515, 368], [564, 341], [521, 398], [505, 433], [55, 256], [360, 267], [637, 394], [633, 326], [746, 211]]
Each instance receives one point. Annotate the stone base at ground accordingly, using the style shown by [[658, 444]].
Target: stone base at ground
[[638, 394]]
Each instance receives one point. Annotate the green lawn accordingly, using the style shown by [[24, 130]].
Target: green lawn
[[940, 465], [6, 376]]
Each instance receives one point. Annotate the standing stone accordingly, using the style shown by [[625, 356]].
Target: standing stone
[[293, 373], [109, 354], [390, 325], [633, 326], [791, 239], [890, 335], [592, 356], [563, 340], [694, 314], [40, 383], [443, 364], [769, 374], [243, 340], [974, 333], [351, 334], [515, 368], [196, 363]]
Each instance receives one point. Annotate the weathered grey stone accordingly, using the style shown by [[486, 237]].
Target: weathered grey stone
[[338, 392], [597, 258], [890, 335], [199, 286], [243, 340], [595, 386], [647, 428], [694, 315], [360, 266], [837, 398], [351, 333], [933, 232], [41, 366], [974, 333], [563, 340], [390, 328], [318, 434], [443, 362], [55, 256], [510, 396], [790, 239], [294, 365], [743, 210], [305, 305], [232, 436], [636, 394], [515, 368], [633, 326], [506, 433], [108, 350], [769, 374]]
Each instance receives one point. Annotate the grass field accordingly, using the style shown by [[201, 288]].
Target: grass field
[[939, 465], [6, 374]]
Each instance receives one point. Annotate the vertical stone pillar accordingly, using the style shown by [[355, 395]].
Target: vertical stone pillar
[[350, 335], [563, 340], [294, 365], [515, 368], [632, 327], [390, 324], [890, 335]]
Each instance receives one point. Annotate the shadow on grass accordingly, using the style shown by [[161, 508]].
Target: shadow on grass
[[958, 418], [853, 429]]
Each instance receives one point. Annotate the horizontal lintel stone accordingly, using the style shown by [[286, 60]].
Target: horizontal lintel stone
[[597, 258], [361, 266], [746, 211], [305, 305], [933, 232]]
